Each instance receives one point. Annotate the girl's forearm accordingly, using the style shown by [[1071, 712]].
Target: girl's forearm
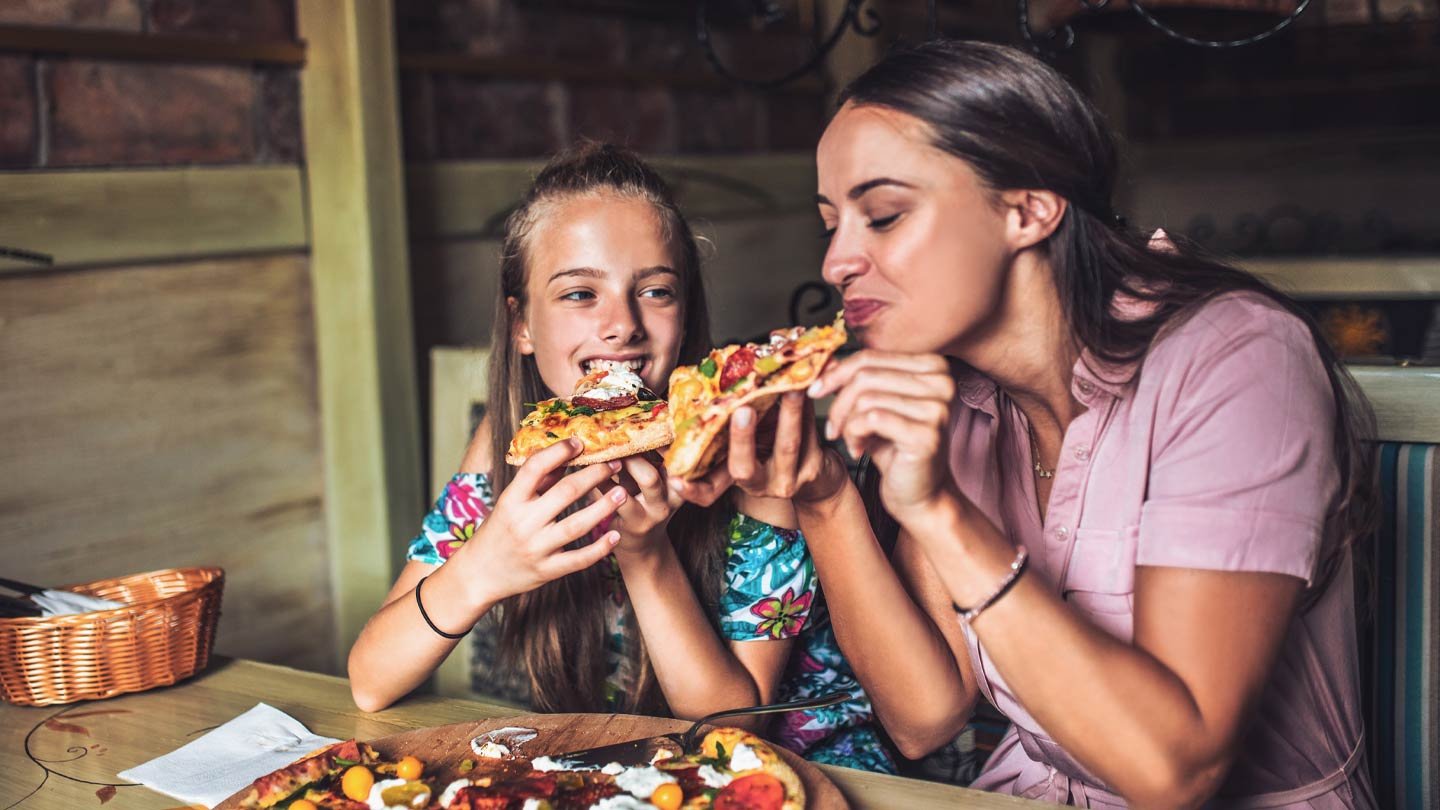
[[902, 660], [697, 672], [397, 650]]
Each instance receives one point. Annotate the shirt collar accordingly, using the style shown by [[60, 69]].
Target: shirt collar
[[1091, 380]]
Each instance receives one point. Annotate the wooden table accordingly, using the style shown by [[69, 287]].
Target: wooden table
[[67, 756]]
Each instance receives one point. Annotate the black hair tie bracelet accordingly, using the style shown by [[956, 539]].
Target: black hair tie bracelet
[[426, 616]]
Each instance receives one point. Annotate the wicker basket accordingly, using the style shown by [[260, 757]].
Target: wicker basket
[[162, 635]]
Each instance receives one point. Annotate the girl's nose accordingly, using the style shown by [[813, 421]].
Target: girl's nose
[[622, 323]]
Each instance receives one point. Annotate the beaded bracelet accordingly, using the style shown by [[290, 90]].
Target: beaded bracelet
[[1017, 567], [426, 616]]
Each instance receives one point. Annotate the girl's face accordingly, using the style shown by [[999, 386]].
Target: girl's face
[[602, 285], [917, 243]]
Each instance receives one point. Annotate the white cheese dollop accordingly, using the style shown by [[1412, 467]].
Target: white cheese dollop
[[377, 803], [713, 778], [642, 782], [618, 381], [613, 768], [745, 759], [622, 802], [448, 797], [489, 750], [533, 804], [546, 764]]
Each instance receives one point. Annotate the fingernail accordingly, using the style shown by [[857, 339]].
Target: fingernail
[[618, 495], [815, 389], [829, 431], [575, 443], [743, 417], [613, 538], [615, 466]]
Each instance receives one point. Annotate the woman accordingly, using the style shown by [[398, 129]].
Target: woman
[[1126, 477]]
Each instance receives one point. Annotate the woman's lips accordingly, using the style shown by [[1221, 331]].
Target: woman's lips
[[861, 311]]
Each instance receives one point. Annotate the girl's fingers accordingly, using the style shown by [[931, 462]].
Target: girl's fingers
[[742, 463], [838, 374], [649, 479], [536, 467], [580, 523], [573, 487], [564, 563], [704, 491], [789, 437]]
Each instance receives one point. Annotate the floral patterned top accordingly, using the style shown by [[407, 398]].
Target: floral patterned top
[[770, 592]]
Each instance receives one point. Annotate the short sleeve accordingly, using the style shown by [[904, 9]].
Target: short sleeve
[[461, 508], [1242, 457], [769, 584]]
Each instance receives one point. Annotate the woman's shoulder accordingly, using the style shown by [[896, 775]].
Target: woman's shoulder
[[1235, 331]]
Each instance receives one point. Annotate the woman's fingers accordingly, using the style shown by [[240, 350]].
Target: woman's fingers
[[564, 563], [790, 432], [839, 374], [857, 402], [910, 436], [704, 491], [574, 486], [742, 463], [926, 394], [649, 479], [580, 523]]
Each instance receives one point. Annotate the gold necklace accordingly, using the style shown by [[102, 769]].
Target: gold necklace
[[1035, 454]]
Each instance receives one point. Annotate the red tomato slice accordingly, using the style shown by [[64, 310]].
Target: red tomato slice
[[758, 791], [739, 364]]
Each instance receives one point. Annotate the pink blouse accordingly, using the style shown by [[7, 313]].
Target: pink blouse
[[1219, 457]]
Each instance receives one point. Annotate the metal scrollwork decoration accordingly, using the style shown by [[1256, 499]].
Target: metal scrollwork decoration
[[865, 22], [1063, 37]]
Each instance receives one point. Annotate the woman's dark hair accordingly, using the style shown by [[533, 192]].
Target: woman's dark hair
[[556, 631], [1020, 125]]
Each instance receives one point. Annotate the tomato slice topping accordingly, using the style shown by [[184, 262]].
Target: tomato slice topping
[[739, 364], [758, 791]]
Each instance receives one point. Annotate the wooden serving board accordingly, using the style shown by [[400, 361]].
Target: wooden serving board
[[442, 748]]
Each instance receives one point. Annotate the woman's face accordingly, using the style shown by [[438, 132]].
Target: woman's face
[[917, 243], [602, 285]]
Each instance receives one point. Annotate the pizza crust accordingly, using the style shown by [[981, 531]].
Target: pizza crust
[[653, 436]]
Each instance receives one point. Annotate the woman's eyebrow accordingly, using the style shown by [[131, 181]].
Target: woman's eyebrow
[[864, 188]]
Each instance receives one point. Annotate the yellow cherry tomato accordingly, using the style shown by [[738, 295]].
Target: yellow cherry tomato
[[356, 783], [668, 796], [409, 768], [303, 804]]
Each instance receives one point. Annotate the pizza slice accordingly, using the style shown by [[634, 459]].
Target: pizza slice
[[311, 772], [612, 413], [704, 396]]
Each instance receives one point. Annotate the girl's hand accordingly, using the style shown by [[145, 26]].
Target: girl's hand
[[796, 467], [643, 518], [521, 546], [896, 407]]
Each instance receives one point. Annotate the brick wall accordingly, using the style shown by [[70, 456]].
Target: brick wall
[[455, 116], [61, 112]]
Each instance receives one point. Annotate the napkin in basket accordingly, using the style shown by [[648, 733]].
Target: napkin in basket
[[210, 769]]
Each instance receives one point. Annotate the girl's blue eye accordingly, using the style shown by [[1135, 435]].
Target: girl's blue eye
[[577, 295], [658, 292]]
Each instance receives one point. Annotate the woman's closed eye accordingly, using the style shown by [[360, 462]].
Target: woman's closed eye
[[875, 224]]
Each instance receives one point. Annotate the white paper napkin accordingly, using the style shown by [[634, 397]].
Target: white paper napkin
[[208, 770], [65, 603]]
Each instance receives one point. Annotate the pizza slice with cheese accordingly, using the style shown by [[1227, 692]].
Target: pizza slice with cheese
[[611, 412], [704, 396]]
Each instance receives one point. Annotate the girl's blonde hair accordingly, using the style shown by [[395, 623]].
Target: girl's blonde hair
[[557, 632]]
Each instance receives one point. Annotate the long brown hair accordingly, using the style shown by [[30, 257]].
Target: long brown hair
[[557, 632], [1020, 125]]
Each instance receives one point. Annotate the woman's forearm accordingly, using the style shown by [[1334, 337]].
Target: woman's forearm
[[697, 671], [396, 650], [902, 660]]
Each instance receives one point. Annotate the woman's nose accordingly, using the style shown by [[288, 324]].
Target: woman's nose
[[844, 260]]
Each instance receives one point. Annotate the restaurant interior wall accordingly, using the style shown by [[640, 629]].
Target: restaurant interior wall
[[159, 403]]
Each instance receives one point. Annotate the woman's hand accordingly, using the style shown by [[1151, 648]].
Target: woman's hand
[[896, 408], [521, 546], [643, 518], [797, 466]]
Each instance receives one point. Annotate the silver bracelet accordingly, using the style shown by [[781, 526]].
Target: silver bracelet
[[1017, 567]]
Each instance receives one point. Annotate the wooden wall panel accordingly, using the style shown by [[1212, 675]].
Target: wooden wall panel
[[166, 415]]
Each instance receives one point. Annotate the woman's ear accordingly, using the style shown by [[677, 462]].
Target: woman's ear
[[520, 329], [1031, 216]]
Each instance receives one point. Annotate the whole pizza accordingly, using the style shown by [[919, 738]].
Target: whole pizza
[[732, 770]]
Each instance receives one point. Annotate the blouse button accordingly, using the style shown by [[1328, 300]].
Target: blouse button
[[1062, 533], [1086, 388], [1082, 453]]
